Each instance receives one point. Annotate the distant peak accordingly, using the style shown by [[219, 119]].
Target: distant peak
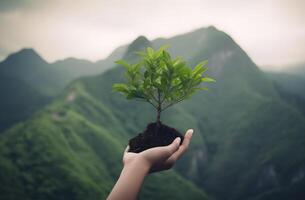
[[207, 29], [141, 38], [26, 54], [212, 28], [72, 60], [138, 44], [27, 50]]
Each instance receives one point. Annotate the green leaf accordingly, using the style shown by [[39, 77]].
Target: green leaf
[[202, 88], [123, 63], [120, 87], [207, 79], [141, 53], [150, 51], [199, 69]]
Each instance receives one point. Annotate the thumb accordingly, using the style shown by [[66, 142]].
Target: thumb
[[174, 146], [164, 152]]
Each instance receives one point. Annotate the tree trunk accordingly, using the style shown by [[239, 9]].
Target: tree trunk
[[158, 116]]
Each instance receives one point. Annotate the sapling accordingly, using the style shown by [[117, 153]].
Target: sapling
[[162, 82]]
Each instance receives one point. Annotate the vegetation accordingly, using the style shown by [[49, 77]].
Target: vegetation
[[163, 82], [65, 151]]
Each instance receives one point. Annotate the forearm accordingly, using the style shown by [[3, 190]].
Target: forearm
[[130, 181]]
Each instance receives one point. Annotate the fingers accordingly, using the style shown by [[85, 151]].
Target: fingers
[[176, 155], [187, 139], [174, 146], [164, 152], [183, 147]]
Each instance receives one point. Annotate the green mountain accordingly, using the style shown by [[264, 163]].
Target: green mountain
[[51, 78], [74, 68], [253, 138], [27, 66], [298, 69], [248, 141], [291, 88], [28, 82], [293, 83], [18, 101]]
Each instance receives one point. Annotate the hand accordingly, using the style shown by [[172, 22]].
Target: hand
[[159, 158], [137, 165]]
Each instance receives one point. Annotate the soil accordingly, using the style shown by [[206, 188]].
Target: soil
[[154, 136]]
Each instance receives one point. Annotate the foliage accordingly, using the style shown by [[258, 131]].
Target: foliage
[[161, 80], [164, 81]]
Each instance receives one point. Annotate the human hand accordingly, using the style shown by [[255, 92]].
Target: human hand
[[159, 158], [137, 165]]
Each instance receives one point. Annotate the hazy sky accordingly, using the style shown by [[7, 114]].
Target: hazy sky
[[271, 31]]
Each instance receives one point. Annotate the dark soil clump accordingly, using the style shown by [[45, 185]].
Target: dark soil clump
[[154, 136]]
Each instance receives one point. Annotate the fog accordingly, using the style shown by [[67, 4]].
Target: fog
[[272, 32]]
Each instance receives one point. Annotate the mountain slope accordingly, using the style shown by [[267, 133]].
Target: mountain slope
[[28, 66], [18, 101], [51, 78], [295, 84], [248, 128], [298, 69], [28, 82], [22, 87], [291, 89]]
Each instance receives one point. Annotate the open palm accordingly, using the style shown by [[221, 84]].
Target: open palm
[[160, 158]]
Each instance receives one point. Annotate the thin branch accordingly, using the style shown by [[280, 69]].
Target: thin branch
[[152, 104], [149, 95], [159, 100], [181, 99], [153, 97], [145, 100], [140, 99], [149, 101], [169, 105]]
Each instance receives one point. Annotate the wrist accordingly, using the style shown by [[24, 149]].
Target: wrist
[[138, 165]]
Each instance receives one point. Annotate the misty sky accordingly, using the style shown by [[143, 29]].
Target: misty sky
[[271, 31]]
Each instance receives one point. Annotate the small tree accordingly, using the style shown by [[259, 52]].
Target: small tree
[[160, 80]]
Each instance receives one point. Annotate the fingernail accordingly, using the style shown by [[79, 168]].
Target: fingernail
[[190, 132], [178, 139]]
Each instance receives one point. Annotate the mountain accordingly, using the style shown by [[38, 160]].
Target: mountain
[[293, 83], [18, 101], [51, 78], [117, 54], [298, 70], [28, 66], [290, 87], [253, 138], [248, 141], [28, 82]]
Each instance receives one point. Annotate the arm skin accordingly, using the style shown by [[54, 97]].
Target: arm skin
[[138, 165]]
